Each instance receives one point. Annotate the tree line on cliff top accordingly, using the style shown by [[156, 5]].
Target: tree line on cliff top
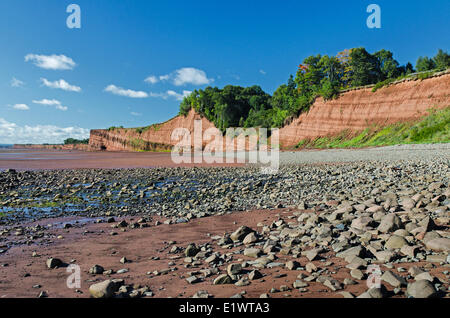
[[319, 75]]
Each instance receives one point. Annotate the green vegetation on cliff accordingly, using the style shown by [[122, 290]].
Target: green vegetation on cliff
[[72, 141], [319, 75], [434, 128]]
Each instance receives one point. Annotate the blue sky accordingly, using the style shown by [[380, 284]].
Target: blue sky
[[181, 46]]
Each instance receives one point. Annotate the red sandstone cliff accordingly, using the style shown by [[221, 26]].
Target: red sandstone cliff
[[354, 110], [81, 147], [357, 109], [157, 137]]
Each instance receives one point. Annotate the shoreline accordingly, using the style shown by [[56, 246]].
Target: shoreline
[[313, 229], [151, 263]]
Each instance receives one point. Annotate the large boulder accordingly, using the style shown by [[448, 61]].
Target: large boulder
[[191, 250], [421, 289], [54, 262], [395, 242], [222, 279], [441, 244], [362, 222], [390, 223], [105, 289], [393, 279], [252, 252], [241, 233]]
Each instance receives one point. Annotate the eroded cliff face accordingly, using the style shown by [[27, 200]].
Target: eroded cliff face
[[157, 137], [80, 147], [358, 109], [354, 111]]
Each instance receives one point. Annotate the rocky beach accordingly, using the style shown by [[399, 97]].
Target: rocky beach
[[327, 223]]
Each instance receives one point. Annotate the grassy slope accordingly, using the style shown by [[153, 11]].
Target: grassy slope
[[434, 128]]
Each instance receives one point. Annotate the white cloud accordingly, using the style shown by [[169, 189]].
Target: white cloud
[[21, 107], [161, 95], [171, 93], [178, 96], [61, 84], [190, 75], [136, 114], [51, 102], [51, 62], [11, 133], [262, 72], [151, 79], [16, 83], [125, 92], [182, 76]]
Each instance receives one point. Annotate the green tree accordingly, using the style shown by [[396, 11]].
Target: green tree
[[309, 75], [442, 60], [72, 141], [389, 67], [425, 64], [365, 67]]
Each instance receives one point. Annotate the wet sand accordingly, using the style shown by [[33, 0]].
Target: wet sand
[[71, 159], [90, 244]]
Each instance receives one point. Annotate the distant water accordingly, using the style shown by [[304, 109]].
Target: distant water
[[5, 146]]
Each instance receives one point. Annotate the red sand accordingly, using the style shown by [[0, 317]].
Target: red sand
[[139, 245], [63, 159]]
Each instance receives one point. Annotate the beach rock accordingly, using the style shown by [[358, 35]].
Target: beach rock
[[346, 294], [427, 224], [201, 294], [240, 233], [385, 256], [372, 293], [312, 254], [43, 294], [424, 275], [362, 222], [223, 279], [357, 274], [105, 289], [414, 271], [389, 223], [252, 252], [393, 279], [255, 274], [439, 244], [234, 269], [300, 284], [310, 267], [53, 263], [193, 279], [96, 270], [292, 265], [250, 238], [333, 284], [122, 224], [191, 250], [353, 251], [395, 242], [421, 289]]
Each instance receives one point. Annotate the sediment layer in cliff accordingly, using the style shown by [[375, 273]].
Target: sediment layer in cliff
[[155, 137], [81, 147]]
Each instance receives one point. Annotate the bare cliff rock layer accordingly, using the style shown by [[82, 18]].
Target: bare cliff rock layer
[[80, 147], [156, 137], [358, 109]]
